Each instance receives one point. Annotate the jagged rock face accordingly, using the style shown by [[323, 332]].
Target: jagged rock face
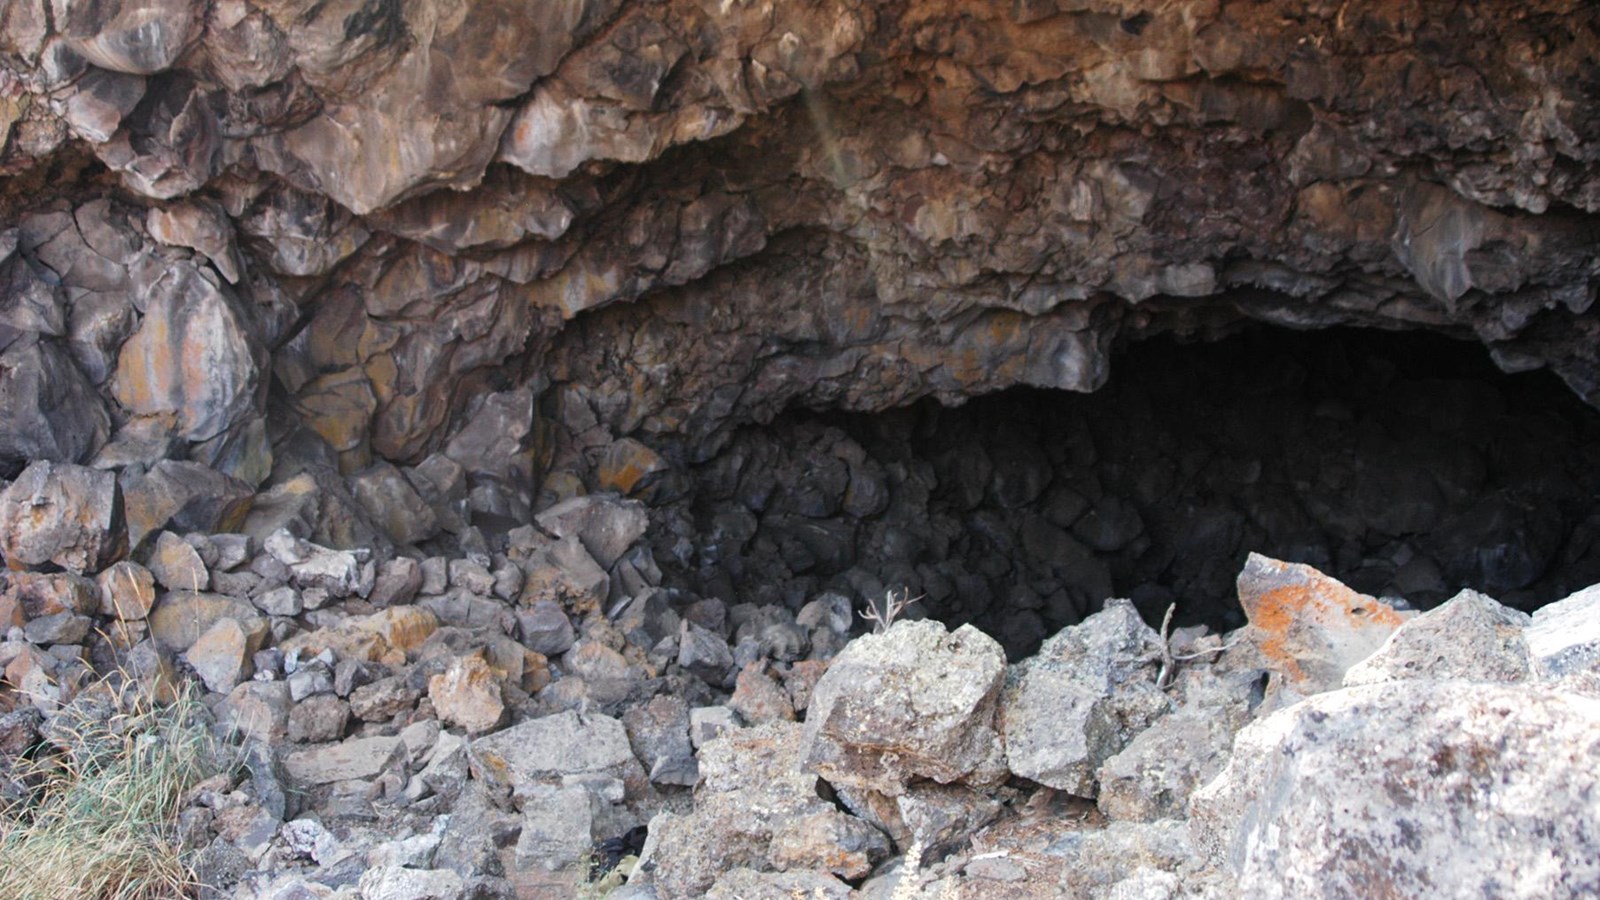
[[675, 217]]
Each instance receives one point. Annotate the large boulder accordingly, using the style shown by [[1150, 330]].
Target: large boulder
[[1396, 790], [916, 702]]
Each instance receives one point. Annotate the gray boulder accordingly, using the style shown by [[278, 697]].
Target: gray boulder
[[1565, 636], [1387, 790], [915, 702], [1470, 638], [1078, 701]]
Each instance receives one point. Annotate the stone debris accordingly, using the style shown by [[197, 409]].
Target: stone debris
[[450, 734], [1076, 703]]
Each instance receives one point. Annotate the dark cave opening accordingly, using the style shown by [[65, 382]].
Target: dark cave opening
[[1404, 464]]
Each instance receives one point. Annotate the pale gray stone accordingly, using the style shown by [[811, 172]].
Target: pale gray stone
[[1460, 789], [916, 702], [1469, 638], [1079, 700], [1565, 636]]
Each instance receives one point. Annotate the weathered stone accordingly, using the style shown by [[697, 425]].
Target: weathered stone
[[557, 827], [828, 840], [403, 883], [177, 566], [471, 576], [1152, 777], [182, 496], [705, 653], [563, 572], [181, 617], [1078, 701], [1428, 810], [707, 723], [222, 654], [914, 702], [548, 750], [467, 695], [48, 409], [58, 628], [626, 467], [256, 710], [739, 883], [383, 699], [397, 583], [545, 628], [1310, 628], [191, 316], [607, 526], [940, 817], [354, 758], [394, 505], [62, 514], [1469, 638], [280, 601], [337, 572], [318, 719], [1564, 638], [758, 698]]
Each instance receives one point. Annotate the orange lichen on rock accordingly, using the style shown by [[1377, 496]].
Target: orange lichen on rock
[[1309, 627]]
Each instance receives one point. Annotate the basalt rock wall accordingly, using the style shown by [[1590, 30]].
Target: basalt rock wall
[[487, 252]]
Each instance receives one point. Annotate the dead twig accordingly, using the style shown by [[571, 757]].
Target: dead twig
[[892, 608], [1169, 661]]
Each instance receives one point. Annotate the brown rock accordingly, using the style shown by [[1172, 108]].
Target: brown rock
[[62, 514], [1310, 628], [221, 656], [758, 698], [467, 694], [127, 591], [177, 566], [181, 617], [383, 699], [318, 719], [190, 317], [354, 758]]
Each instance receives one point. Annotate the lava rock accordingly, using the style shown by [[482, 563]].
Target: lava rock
[[1426, 811], [1079, 701], [1310, 628], [1564, 638], [1468, 638], [63, 514], [916, 702]]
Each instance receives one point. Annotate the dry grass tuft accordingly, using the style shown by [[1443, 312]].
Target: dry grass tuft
[[108, 785]]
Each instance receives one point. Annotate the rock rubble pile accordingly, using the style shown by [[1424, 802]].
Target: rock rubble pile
[[508, 725]]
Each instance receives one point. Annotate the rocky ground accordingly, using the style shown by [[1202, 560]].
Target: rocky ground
[[343, 344], [507, 724]]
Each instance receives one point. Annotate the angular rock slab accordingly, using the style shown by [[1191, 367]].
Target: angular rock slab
[[1310, 628], [546, 751], [1078, 701], [48, 408], [914, 702], [1468, 638], [1387, 790], [1565, 636], [607, 526], [63, 514]]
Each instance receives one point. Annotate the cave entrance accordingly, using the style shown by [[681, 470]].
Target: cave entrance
[[1404, 464]]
